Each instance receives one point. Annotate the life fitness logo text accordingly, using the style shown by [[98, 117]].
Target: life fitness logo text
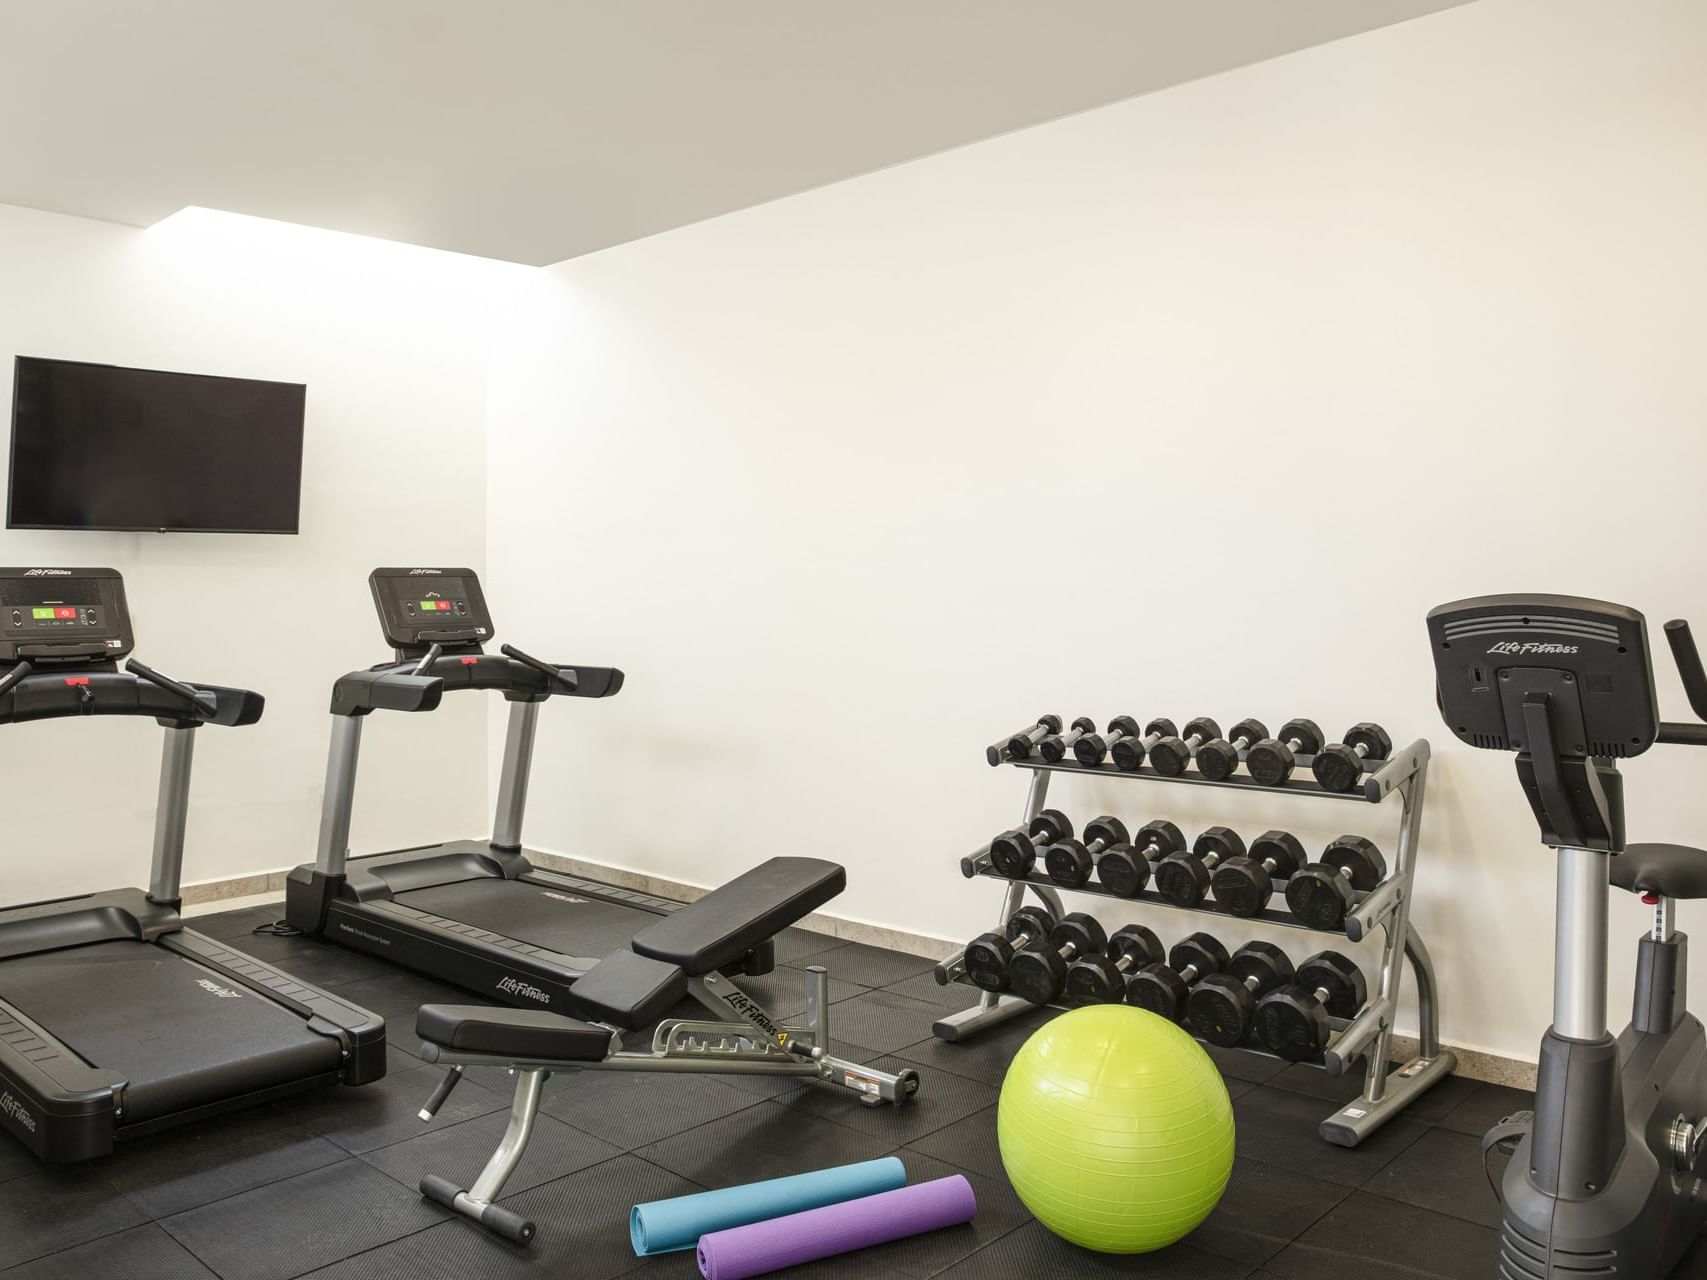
[[516, 987], [47, 573], [12, 1107], [414, 572], [1521, 647]]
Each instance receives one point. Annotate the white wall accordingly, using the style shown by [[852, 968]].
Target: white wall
[[391, 342], [1194, 404]]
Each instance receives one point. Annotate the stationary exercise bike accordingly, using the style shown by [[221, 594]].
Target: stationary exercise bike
[[1607, 1176]]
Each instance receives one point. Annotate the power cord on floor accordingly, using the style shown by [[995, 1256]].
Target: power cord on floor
[[1504, 1137], [278, 929]]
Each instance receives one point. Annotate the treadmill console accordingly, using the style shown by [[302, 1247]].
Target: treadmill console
[[419, 608], [63, 616]]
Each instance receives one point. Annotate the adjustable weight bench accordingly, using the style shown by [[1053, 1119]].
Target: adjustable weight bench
[[683, 954]]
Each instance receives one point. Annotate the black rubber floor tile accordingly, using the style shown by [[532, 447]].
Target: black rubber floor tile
[[869, 966], [1486, 1106], [783, 992], [845, 1266], [763, 1141], [942, 1099], [1442, 1171], [293, 1227], [55, 1207], [1035, 1254], [1240, 1064], [1279, 1128], [583, 1228], [1432, 1105], [882, 1021], [984, 1056], [379, 1114], [146, 1253], [793, 945], [945, 996], [631, 1109], [401, 991], [312, 960], [15, 1162], [1313, 1082], [460, 1151], [233, 926], [1238, 1088], [185, 1168], [968, 1144], [1263, 1210], [1374, 1238], [999, 1212]]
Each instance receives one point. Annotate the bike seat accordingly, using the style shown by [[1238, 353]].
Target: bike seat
[[1670, 870]]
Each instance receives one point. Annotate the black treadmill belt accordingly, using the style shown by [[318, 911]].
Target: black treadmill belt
[[184, 1035], [559, 920]]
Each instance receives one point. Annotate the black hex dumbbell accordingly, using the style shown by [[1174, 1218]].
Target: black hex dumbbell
[[1069, 862], [1093, 748], [1038, 973], [1272, 760], [1101, 979], [1220, 1008], [1218, 759], [1184, 878], [1322, 893], [1054, 747], [1124, 869], [989, 954], [1018, 746], [1293, 1021], [1163, 988], [1339, 767], [1014, 853], [1244, 885], [1129, 753], [1171, 753]]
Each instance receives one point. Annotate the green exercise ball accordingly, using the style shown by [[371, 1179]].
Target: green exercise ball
[[1115, 1129]]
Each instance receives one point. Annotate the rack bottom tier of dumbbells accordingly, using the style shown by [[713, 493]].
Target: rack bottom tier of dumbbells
[[1388, 1088]]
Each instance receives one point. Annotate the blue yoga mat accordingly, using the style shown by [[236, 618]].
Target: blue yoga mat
[[668, 1226]]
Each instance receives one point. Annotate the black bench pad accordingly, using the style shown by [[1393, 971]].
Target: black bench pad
[[629, 990], [1670, 870], [512, 1033], [731, 920]]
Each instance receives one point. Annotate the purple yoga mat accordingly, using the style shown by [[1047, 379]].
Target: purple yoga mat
[[740, 1252]]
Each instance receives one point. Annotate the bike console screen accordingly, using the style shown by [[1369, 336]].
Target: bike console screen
[[63, 616], [423, 607]]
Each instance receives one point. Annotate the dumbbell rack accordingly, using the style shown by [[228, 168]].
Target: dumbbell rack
[[1387, 906]]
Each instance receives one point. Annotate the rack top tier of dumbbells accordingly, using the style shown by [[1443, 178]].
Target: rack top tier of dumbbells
[[1364, 768]]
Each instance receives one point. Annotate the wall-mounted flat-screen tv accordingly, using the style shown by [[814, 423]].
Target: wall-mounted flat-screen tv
[[96, 446]]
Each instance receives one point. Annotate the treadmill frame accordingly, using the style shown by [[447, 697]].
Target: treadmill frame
[[346, 901], [65, 1109]]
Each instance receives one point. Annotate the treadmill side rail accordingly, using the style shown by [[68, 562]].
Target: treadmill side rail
[[53, 1102], [361, 1034]]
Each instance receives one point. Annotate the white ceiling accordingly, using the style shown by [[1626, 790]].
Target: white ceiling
[[537, 130]]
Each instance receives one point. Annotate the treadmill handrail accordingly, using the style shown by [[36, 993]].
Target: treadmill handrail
[[411, 685], [61, 694], [397, 688]]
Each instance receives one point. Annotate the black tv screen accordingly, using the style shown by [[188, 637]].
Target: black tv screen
[[96, 446]]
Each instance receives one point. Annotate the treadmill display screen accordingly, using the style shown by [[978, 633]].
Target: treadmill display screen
[[420, 607], [63, 614]]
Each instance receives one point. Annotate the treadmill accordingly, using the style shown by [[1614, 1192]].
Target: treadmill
[[476, 914], [115, 1020]]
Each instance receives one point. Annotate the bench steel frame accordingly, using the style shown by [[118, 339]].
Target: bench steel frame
[[747, 1040]]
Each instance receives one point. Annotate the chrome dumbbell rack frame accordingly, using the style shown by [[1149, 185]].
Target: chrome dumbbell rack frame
[[1387, 1090]]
